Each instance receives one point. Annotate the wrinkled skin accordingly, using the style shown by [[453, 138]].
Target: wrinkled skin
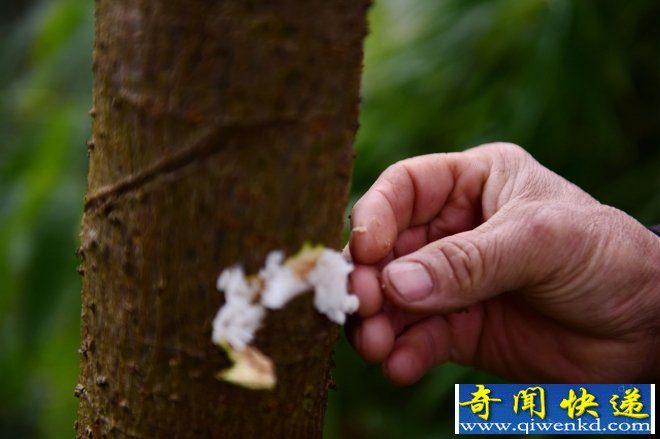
[[488, 259]]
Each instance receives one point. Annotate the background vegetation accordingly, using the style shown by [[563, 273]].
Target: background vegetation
[[577, 83]]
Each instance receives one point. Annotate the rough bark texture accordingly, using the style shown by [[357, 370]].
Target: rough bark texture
[[222, 130]]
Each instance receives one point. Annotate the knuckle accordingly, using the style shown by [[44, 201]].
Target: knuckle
[[558, 236], [392, 172], [507, 149], [550, 223], [464, 263]]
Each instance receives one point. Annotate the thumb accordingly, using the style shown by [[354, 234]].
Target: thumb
[[503, 254]]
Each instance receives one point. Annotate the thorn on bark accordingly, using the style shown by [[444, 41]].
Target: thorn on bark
[[101, 381], [78, 390]]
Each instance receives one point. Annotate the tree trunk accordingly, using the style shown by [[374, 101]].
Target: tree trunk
[[222, 130]]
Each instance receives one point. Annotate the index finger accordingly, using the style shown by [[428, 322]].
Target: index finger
[[413, 192]]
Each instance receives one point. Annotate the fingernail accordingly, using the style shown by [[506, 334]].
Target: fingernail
[[410, 279]]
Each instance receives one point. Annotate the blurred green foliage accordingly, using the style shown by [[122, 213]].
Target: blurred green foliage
[[45, 78], [577, 83]]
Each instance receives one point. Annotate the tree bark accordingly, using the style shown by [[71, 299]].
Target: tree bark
[[221, 130]]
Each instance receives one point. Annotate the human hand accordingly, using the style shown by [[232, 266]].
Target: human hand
[[488, 259]]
